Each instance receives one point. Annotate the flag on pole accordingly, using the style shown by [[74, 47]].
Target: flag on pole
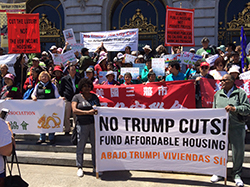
[[243, 43]]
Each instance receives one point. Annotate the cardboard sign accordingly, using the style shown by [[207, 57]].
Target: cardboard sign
[[158, 66], [68, 56], [76, 47], [135, 72], [189, 58], [179, 27], [130, 58], [69, 36], [23, 33]]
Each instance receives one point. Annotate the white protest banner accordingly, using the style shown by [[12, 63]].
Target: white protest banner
[[182, 140], [113, 40], [141, 66], [189, 58], [76, 47], [135, 72], [69, 36], [158, 66], [41, 116], [245, 75], [130, 58], [10, 60], [68, 56], [212, 59], [102, 76]]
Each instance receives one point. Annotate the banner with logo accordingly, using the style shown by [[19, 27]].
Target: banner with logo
[[168, 95], [8, 8], [23, 33], [209, 87], [179, 27], [112, 40], [190, 140], [30, 117]]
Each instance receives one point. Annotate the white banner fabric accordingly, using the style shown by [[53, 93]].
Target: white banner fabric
[[30, 117], [112, 40], [10, 60], [183, 140]]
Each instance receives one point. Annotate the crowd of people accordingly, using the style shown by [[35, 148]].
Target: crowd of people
[[41, 79]]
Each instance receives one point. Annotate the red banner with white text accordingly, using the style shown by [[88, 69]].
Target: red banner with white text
[[23, 33], [209, 87], [167, 95]]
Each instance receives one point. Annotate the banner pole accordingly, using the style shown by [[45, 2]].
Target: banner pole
[[180, 4]]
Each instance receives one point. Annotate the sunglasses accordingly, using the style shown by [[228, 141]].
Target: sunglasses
[[224, 80], [204, 67]]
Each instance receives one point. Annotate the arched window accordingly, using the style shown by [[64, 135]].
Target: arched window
[[147, 15], [51, 21]]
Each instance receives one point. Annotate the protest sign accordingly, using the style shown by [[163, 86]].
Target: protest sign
[[10, 8], [212, 59], [141, 67], [174, 140], [245, 75], [168, 95], [68, 56], [130, 58], [112, 40], [23, 33], [28, 117], [76, 47], [179, 27], [10, 60], [102, 76], [69, 36], [189, 58], [57, 59], [135, 72], [158, 66], [172, 57]]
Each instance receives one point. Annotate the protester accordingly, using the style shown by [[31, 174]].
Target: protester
[[219, 71], [58, 74], [234, 60], [51, 71], [6, 145], [45, 90], [1, 51], [90, 74], [175, 74], [161, 51], [82, 106], [230, 47], [147, 53], [4, 71], [204, 69], [205, 47], [101, 65], [21, 68], [147, 68], [221, 49], [234, 71], [151, 77], [53, 49], [192, 50], [85, 61], [68, 88], [127, 50], [236, 103], [35, 64], [110, 79], [32, 80], [176, 49], [10, 90]]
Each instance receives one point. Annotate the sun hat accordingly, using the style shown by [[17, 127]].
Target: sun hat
[[59, 49], [234, 69], [45, 53], [10, 76], [120, 55], [222, 48], [101, 58], [192, 49], [53, 47], [110, 73], [89, 70], [147, 47]]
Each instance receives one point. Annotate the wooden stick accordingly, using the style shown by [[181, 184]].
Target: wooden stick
[[97, 175], [180, 4], [225, 181]]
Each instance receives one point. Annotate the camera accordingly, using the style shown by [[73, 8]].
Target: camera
[[4, 113]]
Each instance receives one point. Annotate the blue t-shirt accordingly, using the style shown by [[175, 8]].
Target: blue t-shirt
[[179, 77]]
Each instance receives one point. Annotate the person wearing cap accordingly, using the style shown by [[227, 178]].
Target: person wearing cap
[[35, 64], [221, 49], [219, 71], [147, 53], [85, 61], [234, 100], [90, 74], [59, 50], [68, 88], [32, 80], [192, 50], [110, 79], [205, 47], [204, 69], [4, 71], [53, 49], [174, 70], [234, 71], [102, 65], [10, 91], [58, 74]]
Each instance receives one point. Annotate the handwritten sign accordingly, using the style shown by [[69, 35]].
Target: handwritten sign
[[68, 56], [76, 47], [130, 58], [23, 33], [135, 72], [158, 66], [69, 36], [190, 58], [179, 27]]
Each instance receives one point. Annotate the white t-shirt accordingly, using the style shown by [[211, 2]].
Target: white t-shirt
[[217, 74], [5, 139]]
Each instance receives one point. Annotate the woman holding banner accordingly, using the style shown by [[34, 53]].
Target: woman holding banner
[[83, 106]]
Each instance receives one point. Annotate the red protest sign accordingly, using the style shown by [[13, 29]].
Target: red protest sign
[[179, 27], [23, 33]]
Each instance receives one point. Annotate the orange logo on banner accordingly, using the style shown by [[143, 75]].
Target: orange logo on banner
[[44, 121], [23, 33]]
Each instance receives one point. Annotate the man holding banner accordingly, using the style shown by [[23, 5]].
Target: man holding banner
[[235, 101]]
